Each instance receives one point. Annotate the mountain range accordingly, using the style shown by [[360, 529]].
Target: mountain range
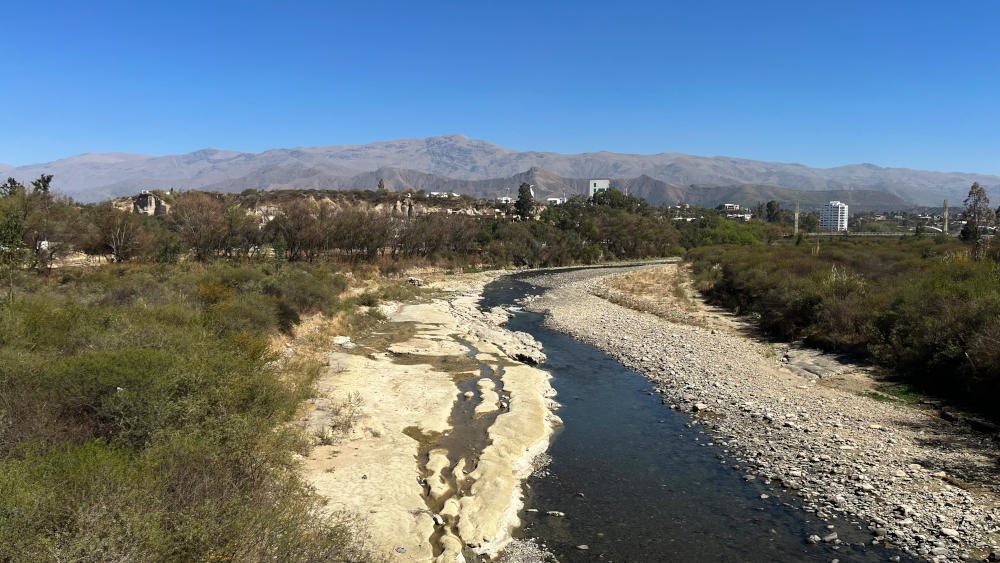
[[479, 168]]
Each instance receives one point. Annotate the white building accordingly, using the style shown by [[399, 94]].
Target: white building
[[555, 200], [598, 186], [732, 207], [505, 199], [833, 217]]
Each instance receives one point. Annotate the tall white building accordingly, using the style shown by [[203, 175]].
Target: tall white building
[[833, 217], [598, 186]]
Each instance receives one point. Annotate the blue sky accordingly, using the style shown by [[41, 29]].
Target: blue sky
[[913, 83]]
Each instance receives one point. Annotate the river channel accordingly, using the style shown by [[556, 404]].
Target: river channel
[[639, 482]]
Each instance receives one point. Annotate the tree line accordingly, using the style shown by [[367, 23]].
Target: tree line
[[37, 227]]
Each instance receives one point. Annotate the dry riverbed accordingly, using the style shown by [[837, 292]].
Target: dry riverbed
[[916, 481], [427, 427]]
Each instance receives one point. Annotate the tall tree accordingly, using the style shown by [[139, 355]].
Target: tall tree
[[11, 247], [809, 222], [200, 220], [772, 212], [525, 205], [118, 233], [978, 213], [36, 211], [619, 200], [42, 184], [11, 187], [978, 216]]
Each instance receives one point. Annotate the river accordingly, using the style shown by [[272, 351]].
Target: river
[[638, 482]]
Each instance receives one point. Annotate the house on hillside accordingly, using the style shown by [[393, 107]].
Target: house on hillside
[[731, 207], [598, 186], [555, 200]]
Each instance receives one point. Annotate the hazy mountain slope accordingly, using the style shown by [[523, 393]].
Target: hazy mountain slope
[[658, 192], [548, 184], [88, 178], [653, 190], [398, 179], [751, 194], [456, 157]]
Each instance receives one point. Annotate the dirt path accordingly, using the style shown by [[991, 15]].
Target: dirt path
[[916, 481], [428, 427]]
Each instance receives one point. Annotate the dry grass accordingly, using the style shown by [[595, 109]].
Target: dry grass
[[664, 291]]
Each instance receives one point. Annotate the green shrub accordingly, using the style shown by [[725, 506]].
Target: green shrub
[[253, 314], [931, 315], [122, 396], [368, 299], [143, 418]]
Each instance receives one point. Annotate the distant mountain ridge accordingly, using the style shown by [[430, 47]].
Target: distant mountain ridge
[[458, 163]]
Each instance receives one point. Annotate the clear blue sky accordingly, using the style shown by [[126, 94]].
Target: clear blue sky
[[909, 83]]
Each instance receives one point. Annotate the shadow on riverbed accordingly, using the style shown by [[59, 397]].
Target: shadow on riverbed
[[638, 482]]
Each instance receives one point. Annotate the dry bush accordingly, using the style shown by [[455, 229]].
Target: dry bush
[[662, 291]]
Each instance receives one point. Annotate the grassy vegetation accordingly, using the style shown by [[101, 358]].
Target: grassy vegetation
[[662, 291], [919, 306], [143, 416], [895, 392]]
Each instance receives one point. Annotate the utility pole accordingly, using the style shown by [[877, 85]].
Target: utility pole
[[796, 231], [946, 216]]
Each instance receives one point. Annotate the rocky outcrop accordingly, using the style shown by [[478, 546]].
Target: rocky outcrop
[[448, 370], [145, 203]]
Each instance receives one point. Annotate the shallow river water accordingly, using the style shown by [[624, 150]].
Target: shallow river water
[[637, 484]]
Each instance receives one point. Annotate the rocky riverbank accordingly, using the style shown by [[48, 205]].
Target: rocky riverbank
[[427, 428], [918, 483]]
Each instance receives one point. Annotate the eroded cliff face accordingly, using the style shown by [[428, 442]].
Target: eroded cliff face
[[152, 203], [145, 203]]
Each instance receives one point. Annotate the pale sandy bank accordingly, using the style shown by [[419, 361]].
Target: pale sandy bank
[[431, 426]]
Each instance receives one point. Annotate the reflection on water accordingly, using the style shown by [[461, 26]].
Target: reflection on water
[[637, 484]]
